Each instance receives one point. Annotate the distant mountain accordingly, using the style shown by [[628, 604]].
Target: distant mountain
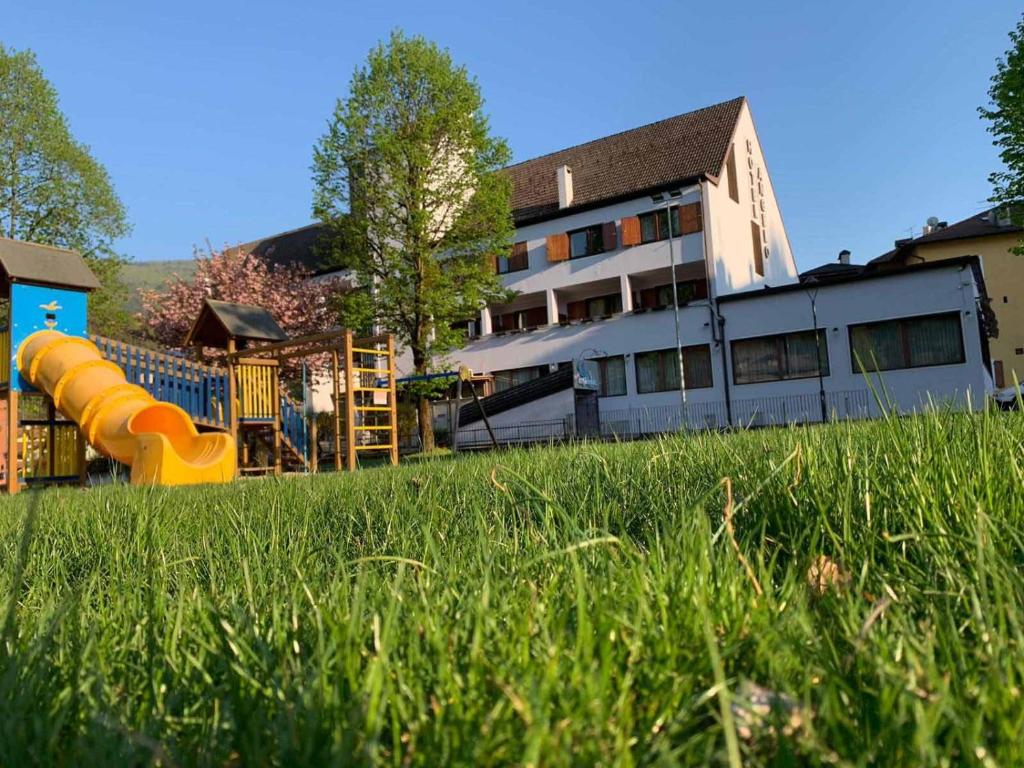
[[146, 275]]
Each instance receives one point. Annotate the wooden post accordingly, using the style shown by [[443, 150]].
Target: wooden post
[[351, 380], [276, 394], [83, 475], [313, 445], [51, 437], [393, 400], [233, 403], [12, 440], [337, 411]]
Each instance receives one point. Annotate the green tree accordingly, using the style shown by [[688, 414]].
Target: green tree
[[52, 190], [406, 175], [1006, 115]]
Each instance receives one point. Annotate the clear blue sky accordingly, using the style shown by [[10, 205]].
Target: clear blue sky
[[205, 113]]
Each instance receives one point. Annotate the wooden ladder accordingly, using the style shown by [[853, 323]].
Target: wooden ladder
[[371, 404]]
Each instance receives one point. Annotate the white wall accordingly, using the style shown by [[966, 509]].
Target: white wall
[[543, 274], [839, 306], [728, 222], [921, 292]]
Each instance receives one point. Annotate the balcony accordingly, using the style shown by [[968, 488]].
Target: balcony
[[587, 302], [524, 313], [652, 290]]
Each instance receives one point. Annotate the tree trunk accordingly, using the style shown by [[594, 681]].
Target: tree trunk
[[426, 419]]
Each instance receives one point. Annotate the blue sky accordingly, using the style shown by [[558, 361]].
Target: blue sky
[[205, 113]]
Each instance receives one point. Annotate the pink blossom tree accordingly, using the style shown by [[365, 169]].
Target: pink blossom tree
[[300, 305]]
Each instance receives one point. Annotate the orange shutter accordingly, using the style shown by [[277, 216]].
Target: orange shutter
[[734, 186], [630, 231], [608, 238], [691, 219], [520, 256], [558, 247], [755, 233], [577, 309], [494, 262]]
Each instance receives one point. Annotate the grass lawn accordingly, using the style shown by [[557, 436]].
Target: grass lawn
[[575, 605]]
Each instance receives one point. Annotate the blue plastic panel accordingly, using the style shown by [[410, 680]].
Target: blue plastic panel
[[37, 308]]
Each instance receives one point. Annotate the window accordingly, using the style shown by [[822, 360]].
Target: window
[[586, 242], [516, 261], [911, 342], [654, 225], [599, 306], [658, 371], [513, 377], [611, 376], [776, 358]]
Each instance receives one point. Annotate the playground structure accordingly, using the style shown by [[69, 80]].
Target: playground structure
[[171, 419]]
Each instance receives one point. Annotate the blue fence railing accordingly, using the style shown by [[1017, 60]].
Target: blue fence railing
[[198, 389], [294, 426]]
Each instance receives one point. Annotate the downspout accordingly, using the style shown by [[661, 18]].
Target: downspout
[[717, 321]]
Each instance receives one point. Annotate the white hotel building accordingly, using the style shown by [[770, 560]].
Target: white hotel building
[[591, 271]]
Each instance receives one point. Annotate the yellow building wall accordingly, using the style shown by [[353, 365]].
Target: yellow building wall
[[1004, 279]]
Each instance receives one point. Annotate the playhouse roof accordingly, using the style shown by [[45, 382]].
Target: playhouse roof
[[219, 321], [44, 264]]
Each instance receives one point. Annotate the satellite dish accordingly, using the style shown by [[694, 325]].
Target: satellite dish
[[933, 221]]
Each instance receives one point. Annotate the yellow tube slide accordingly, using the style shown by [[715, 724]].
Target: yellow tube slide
[[123, 421]]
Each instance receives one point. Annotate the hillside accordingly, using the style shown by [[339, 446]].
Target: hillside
[[143, 275]]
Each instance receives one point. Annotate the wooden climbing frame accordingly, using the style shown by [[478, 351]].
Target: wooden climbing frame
[[363, 393]]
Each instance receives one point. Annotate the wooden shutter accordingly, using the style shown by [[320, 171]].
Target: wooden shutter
[[558, 247], [608, 237], [494, 263], [648, 298], [630, 231], [691, 219], [755, 233], [520, 257], [734, 185], [577, 309], [997, 365]]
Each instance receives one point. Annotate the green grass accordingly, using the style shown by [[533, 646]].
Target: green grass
[[566, 606]]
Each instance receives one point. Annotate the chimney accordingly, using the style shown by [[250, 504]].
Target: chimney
[[933, 225], [844, 256], [564, 186]]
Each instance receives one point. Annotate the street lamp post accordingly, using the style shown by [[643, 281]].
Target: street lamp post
[[667, 207], [813, 296]]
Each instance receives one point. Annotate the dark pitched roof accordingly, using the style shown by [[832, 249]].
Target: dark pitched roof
[[984, 224], [34, 263], [304, 246], [563, 378], [827, 273], [677, 150], [219, 321], [628, 164]]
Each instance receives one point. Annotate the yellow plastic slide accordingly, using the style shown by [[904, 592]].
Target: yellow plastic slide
[[123, 421]]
